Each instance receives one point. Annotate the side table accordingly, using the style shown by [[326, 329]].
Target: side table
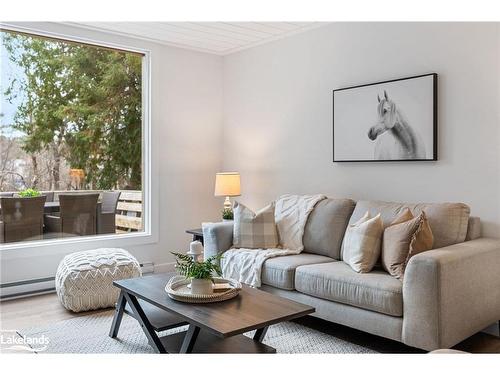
[[197, 234]]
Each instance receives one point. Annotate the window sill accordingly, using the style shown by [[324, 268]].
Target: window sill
[[69, 245]]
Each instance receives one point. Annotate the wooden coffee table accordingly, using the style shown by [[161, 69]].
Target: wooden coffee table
[[213, 327]]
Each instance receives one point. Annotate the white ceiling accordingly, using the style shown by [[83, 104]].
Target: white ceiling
[[220, 38]]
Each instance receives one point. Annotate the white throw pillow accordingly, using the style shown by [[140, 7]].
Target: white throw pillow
[[362, 243]]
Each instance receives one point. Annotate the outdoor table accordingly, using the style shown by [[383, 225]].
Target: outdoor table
[[50, 207]]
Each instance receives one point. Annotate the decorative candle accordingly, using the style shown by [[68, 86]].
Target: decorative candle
[[195, 249]]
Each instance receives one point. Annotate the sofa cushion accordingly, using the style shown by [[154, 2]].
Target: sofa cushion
[[448, 221], [402, 240], [326, 226], [375, 291], [280, 271], [363, 240]]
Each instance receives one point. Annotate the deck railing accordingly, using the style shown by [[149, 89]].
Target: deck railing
[[129, 212]]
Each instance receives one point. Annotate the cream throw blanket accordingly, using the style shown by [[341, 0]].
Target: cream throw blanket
[[291, 213]]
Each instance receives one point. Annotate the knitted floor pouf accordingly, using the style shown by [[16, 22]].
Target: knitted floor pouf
[[84, 280]]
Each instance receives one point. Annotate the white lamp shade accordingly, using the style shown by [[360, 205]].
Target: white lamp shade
[[227, 184]]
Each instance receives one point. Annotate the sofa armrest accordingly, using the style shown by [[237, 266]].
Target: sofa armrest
[[451, 293], [217, 237]]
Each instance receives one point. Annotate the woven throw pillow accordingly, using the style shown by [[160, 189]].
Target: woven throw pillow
[[254, 230], [362, 243], [404, 239]]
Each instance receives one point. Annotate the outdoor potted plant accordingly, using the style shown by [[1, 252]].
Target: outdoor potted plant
[[29, 193], [200, 273]]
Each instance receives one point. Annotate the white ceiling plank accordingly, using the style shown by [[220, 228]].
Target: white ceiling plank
[[214, 28], [301, 24], [264, 27], [312, 26], [220, 38], [242, 27], [283, 26], [185, 29], [200, 48], [159, 30]]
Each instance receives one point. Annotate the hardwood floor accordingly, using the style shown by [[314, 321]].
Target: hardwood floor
[[46, 309], [34, 311]]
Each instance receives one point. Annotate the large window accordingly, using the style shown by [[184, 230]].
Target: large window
[[71, 139]]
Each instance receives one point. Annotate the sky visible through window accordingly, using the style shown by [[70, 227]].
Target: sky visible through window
[[8, 71]]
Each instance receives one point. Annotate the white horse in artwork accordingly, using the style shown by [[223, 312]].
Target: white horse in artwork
[[396, 139]]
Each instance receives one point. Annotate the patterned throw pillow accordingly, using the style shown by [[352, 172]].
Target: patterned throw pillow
[[405, 237], [254, 230], [362, 243]]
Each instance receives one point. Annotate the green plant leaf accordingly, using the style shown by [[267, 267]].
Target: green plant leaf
[[197, 270]]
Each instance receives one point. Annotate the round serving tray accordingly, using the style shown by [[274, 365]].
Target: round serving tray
[[177, 289]]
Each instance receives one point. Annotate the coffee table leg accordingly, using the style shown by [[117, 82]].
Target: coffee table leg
[[146, 326], [117, 319], [260, 334], [190, 339]]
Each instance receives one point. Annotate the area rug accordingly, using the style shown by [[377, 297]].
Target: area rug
[[89, 334]]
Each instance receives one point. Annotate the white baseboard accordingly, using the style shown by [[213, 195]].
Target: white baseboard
[[164, 267], [27, 288]]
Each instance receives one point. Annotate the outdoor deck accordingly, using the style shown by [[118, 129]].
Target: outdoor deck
[[128, 214]]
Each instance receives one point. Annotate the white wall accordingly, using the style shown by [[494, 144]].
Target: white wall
[[278, 113], [186, 154], [276, 100]]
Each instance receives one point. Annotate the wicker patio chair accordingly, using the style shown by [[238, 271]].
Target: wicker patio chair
[[77, 216], [21, 219], [107, 213]]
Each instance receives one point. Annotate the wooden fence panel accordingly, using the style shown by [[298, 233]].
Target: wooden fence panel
[[129, 212]]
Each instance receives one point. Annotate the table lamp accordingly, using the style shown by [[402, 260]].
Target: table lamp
[[227, 184]]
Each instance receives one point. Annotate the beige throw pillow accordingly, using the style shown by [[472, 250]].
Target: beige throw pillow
[[404, 238], [362, 243], [254, 230]]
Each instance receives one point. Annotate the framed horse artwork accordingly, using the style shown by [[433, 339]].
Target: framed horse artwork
[[393, 120]]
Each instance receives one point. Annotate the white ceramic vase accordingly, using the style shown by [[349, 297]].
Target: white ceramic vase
[[201, 286]]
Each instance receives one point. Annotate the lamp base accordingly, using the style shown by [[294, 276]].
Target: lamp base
[[227, 213], [227, 204]]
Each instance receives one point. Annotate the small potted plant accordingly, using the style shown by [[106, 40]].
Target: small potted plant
[[29, 193], [227, 214], [200, 273]]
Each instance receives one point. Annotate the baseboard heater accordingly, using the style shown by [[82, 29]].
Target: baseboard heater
[[45, 285]]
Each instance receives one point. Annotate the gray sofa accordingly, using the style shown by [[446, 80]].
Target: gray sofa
[[448, 293]]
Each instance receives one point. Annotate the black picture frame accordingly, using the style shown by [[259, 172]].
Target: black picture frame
[[434, 156]]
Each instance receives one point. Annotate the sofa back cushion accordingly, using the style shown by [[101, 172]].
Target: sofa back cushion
[[326, 226], [473, 228], [448, 221]]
